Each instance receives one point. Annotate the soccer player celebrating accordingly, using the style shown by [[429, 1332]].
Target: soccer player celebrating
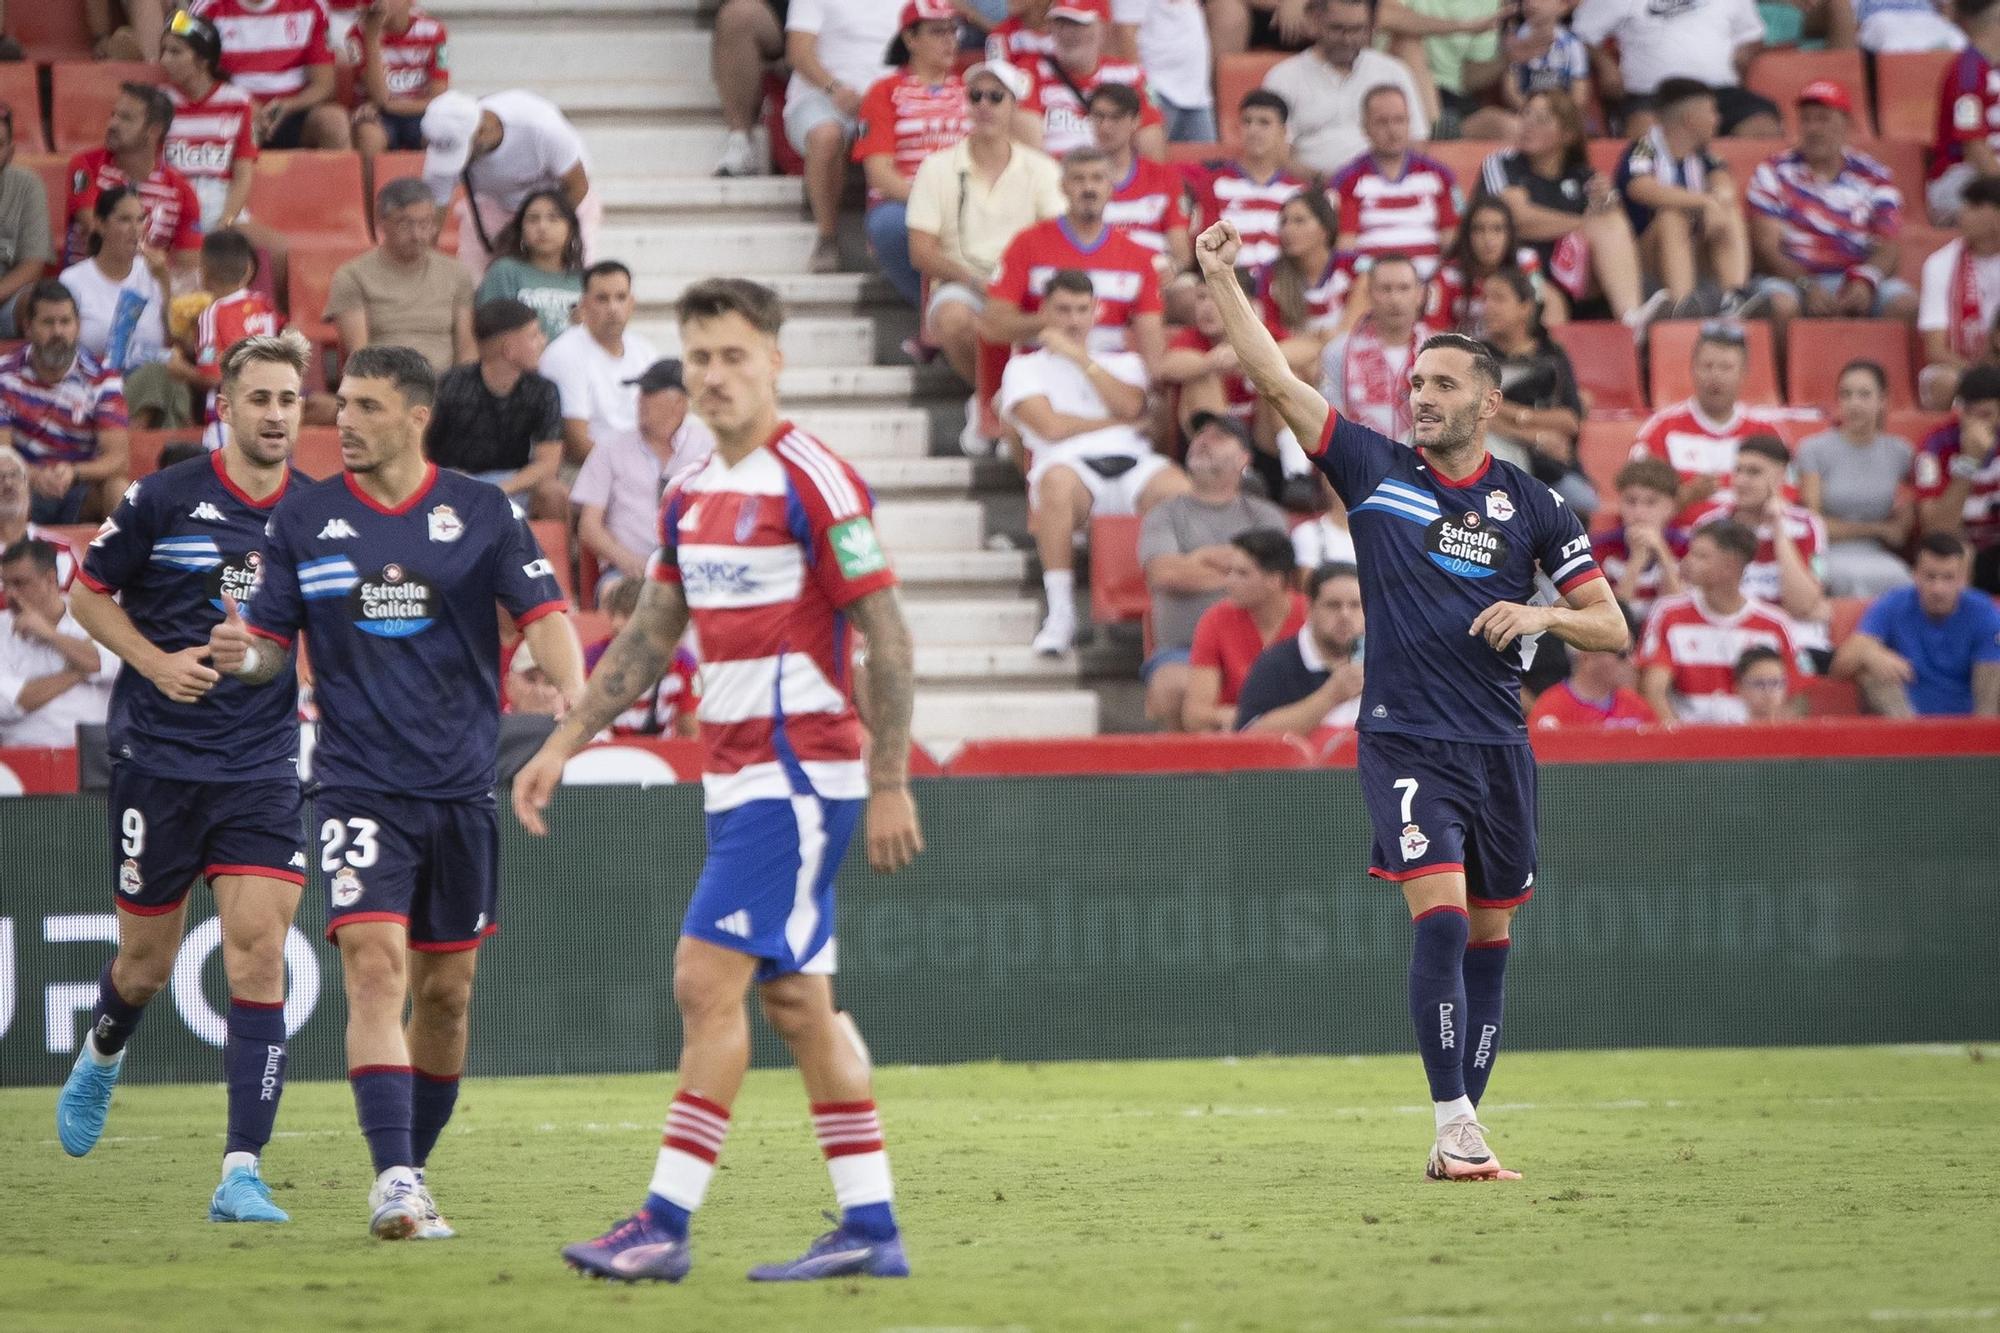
[[1449, 538], [204, 771], [771, 551], [394, 571]]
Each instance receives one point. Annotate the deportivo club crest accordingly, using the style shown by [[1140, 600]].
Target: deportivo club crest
[[130, 881], [1413, 843], [445, 524], [1498, 506], [346, 887]]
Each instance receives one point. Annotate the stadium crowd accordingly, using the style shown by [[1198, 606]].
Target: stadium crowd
[[1748, 316]]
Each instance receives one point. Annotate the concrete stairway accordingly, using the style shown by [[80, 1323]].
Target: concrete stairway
[[633, 75]]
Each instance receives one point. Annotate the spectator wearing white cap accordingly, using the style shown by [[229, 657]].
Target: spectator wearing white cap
[[617, 494], [966, 204], [501, 149], [837, 49]]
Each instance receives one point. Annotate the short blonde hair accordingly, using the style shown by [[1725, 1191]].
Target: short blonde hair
[[288, 348]]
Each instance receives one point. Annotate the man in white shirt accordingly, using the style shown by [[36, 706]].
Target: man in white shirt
[[1959, 297], [617, 494], [1077, 414], [1325, 86], [53, 676], [596, 363], [837, 50], [1709, 41], [501, 149]]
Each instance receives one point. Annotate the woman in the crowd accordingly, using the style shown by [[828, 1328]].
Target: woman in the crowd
[[1856, 476], [1485, 244], [1307, 293], [120, 292], [1568, 212], [538, 261], [1541, 413], [906, 116]]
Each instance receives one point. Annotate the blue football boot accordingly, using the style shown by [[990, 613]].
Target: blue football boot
[[633, 1251], [86, 1098], [244, 1197], [840, 1253]]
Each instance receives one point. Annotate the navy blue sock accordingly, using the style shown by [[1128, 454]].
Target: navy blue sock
[[875, 1221], [1485, 1001], [113, 1019], [431, 1098], [1437, 997], [382, 1103], [668, 1216], [254, 1062]]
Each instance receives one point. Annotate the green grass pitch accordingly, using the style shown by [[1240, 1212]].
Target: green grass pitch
[[1797, 1189]]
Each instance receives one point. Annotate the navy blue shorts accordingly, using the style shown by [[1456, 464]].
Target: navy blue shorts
[[767, 886], [168, 832], [430, 866], [1438, 806]]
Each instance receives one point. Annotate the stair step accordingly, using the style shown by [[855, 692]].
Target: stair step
[[842, 341], [930, 525], [970, 627], [802, 293], [931, 573], [975, 663], [899, 477], [700, 198], [843, 386], [856, 434], [729, 249], [634, 146], [944, 716], [492, 50]]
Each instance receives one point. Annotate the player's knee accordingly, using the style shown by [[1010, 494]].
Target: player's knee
[[140, 975], [444, 998], [255, 965], [374, 976], [794, 1013], [702, 1001]]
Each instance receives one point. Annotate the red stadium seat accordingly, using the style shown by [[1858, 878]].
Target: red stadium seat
[[591, 626], [588, 571], [82, 95], [1827, 697], [1180, 153], [1670, 345], [1604, 155], [318, 454], [1117, 581], [1602, 449], [1817, 349], [1234, 76], [309, 281], [147, 445], [1464, 156], [1606, 361], [49, 30], [553, 536], [1906, 163], [54, 172], [311, 195], [21, 90], [1847, 612], [1906, 94], [1779, 75], [1918, 244]]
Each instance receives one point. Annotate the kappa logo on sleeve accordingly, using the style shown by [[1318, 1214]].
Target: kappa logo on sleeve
[[857, 548]]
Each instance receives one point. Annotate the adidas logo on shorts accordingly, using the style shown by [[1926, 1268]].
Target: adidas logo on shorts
[[737, 923]]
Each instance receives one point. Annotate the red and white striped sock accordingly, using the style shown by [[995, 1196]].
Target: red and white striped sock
[[695, 1129], [850, 1134]]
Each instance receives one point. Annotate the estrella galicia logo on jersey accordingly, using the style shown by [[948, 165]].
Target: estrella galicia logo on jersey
[[1465, 546], [445, 524], [394, 603], [239, 578], [1499, 506]]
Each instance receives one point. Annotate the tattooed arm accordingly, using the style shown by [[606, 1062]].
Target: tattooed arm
[[894, 837], [633, 664]]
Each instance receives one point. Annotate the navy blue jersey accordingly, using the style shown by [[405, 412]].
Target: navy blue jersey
[[1434, 554], [398, 610], [179, 540]]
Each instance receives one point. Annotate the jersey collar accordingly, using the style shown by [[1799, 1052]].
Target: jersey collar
[[423, 489], [1103, 236], [222, 475], [1459, 483]]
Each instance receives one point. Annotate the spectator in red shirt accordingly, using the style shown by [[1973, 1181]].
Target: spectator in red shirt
[[1642, 555], [1251, 190], [1764, 686], [1055, 117], [1688, 657], [1129, 309], [280, 52], [905, 117], [400, 51], [133, 156], [1699, 436], [1259, 607], [1145, 195], [1597, 693], [1023, 36], [1201, 366], [234, 312], [1393, 200], [210, 141], [1791, 539]]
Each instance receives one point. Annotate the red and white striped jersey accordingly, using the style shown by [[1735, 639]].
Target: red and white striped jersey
[[1012, 40], [1700, 648], [1827, 226], [1065, 122], [1456, 304], [1930, 473], [268, 46], [909, 119], [1613, 553], [1121, 272], [1147, 204], [768, 553], [411, 59], [173, 213], [1968, 109], [1225, 191], [206, 141], [1326, 299], [1696, 445], [1407, 215], [243, 313], [1760, 580]]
